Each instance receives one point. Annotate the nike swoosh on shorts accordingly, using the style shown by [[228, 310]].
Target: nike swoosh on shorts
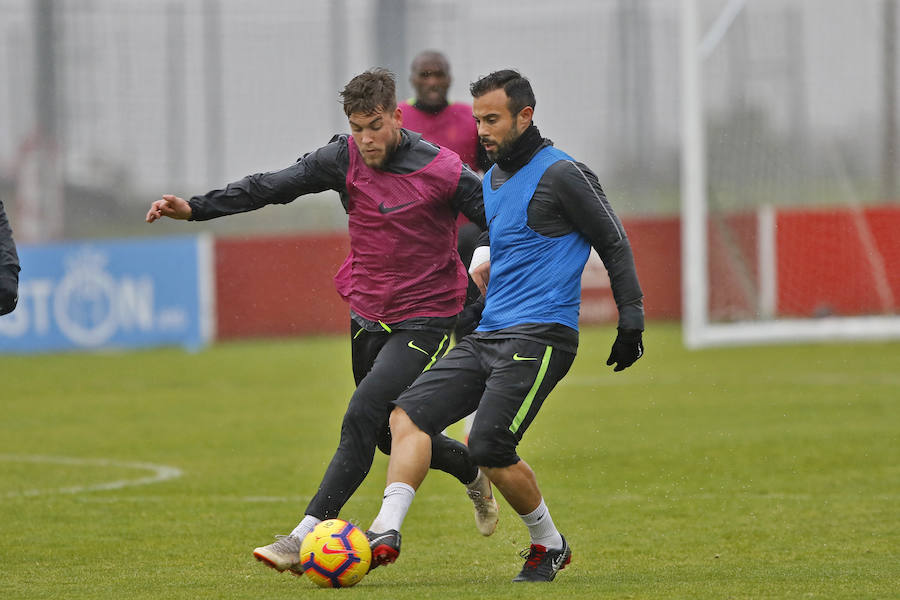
[[414, 347]]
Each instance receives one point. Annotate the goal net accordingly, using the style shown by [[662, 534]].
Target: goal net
[[790, 207]]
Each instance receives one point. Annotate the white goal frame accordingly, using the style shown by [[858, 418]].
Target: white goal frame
[[698, 331]]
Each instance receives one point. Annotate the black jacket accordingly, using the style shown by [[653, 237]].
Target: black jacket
[[326, 169], [9, 266]]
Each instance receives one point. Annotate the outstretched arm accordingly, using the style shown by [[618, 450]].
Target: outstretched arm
[[320, 170], [170, 206]]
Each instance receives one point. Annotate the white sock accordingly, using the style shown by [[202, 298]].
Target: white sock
[[397, 499], [540, 526], [305, 526]]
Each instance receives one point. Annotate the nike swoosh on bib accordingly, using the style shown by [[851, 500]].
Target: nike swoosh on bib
[[389, 209]]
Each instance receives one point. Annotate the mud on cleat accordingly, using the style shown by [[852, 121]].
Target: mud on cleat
[[542, 564], [486, 509], [282, 555], [385, 547]]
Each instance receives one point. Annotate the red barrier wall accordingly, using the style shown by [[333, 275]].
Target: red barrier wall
[[279, 286], [276, 286], [836, 261], [656, 243], [829, 261]]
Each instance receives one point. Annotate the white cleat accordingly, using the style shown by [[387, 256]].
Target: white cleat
[[486, 509], [282, 555]]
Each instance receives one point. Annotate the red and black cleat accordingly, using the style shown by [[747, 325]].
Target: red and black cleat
[[542, 564], [385, 547]]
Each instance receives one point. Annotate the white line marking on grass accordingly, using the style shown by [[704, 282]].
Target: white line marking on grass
[[160, 473], [608, 499], [238, 499], [199, 498]]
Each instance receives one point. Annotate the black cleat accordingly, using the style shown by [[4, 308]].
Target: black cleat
[[542, 564], [385, 547]]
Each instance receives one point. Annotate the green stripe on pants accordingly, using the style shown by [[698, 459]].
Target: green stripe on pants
[[526, 405], [434, 356]]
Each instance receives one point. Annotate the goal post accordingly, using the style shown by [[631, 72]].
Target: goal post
[[786, 233]]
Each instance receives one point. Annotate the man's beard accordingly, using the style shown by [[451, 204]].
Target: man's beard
[[388, 153], [435, 106], [504, 147]]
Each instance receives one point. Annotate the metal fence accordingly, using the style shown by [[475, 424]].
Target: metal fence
[[105, 104]]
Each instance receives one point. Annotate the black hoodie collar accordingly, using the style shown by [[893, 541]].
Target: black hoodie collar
[[523, 149]]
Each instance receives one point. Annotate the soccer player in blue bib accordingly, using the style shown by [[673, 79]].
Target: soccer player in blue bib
[[545, 211]]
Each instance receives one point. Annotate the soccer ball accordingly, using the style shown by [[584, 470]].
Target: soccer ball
[[335, 554]]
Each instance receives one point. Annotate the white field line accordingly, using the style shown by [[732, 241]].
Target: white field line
[[613, 497], [292, 500], [159, 473]]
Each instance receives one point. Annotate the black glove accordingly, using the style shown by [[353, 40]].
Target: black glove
[[468, 319], [627, 348]]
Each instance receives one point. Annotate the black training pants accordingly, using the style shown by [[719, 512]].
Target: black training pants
[[384, 364]]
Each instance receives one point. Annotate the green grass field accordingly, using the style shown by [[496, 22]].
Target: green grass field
[[727, 473]]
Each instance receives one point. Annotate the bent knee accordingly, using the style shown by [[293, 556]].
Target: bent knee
[[489, 451], [401, 424]]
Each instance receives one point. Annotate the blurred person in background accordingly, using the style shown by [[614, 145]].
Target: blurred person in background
[[545, 211], [447, 125], [430, 112], [403, 280], [9, 266]]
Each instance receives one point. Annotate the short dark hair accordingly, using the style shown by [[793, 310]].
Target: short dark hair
[[517, 88], [368, 92]]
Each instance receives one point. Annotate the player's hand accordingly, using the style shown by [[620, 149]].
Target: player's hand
[[627, 348], [170, 206], [481, 275], [469, 318]]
